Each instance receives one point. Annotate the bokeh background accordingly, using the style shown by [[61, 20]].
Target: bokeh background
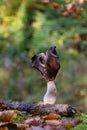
[[28, 27]]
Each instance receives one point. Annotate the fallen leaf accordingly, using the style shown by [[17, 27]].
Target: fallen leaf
[[32, 121], [65, 14], [81, 1], [52, 116], [22, 126], [45, 1], [37, 128], [8, 126], [55, 5], [77, 11], [3, 106], [70, 7], [7, 116], [53, 122], [48, 127], [70, 123], [60, 127]]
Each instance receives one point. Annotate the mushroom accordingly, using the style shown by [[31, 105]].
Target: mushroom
[[48, 65]]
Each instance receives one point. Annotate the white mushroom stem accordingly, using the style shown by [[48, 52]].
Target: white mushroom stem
[[50, 96]]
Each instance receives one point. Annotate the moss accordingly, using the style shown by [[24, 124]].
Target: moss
[[83, 125]]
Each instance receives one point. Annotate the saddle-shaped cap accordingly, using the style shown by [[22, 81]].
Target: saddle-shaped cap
[[48, 64]]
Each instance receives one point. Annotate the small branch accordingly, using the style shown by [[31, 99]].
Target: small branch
[[40, 109]]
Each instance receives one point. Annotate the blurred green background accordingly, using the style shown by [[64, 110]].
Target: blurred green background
[[28, 27]]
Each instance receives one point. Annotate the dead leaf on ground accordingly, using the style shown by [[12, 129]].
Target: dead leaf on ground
[[53, 122], [48, 127], [32, 121], [70, 6], [8, 126], [37, 128], [60, 127], [52, 116], [22, 126], [55, 5], [45, 1], [7, 116], [65, 13], [77, 11], [3, 106], [70, 123]]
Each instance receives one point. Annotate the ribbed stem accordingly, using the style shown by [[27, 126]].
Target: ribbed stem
[[50, 96]]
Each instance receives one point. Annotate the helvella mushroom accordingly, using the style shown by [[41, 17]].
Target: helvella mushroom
[[48, 64]]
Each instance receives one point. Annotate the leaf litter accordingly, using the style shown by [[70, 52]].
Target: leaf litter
[[16, 120]]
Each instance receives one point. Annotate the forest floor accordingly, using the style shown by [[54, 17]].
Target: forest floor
[[34, 119]]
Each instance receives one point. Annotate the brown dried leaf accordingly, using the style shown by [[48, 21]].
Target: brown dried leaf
[[4, 128], [32, 121], [55, 5], [81, 1], [7, 116], [52, 116], [22, 126], [37, 128], [71, 123], [70, 7], [60, 127], [12, 126], [48, 127], [65, 13], [53, 122], [8, 126], [45, 1], [77, 11], [3, 106]]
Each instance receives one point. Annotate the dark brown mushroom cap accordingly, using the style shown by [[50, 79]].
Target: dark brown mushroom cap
[[48, 64]]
